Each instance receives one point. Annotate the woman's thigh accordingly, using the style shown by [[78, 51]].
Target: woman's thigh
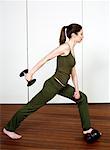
[[68, 92]]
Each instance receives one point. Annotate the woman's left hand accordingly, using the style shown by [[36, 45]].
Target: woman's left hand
[[76, 95], [28, 77]]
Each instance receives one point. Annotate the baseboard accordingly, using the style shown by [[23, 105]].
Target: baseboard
[[56, 104], [74, 103]]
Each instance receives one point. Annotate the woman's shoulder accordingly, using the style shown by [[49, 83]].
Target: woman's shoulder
[[65, 48], [64, 45]]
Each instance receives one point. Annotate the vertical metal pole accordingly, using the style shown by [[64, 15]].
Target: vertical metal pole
[[82, 47], [27, 44]]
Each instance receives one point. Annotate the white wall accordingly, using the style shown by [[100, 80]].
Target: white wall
[[44, 35], [12, 51], [109, 50], [45, 19], [96, 50]]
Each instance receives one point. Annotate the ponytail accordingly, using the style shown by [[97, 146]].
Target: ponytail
[[72, 28], [62, 38]]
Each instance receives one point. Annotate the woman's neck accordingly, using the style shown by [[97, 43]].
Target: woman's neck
[[72, 44]]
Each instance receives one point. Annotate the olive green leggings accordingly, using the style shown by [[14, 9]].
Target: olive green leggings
[[50, 89]]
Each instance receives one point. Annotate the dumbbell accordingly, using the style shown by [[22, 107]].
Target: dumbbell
[[23, 73]]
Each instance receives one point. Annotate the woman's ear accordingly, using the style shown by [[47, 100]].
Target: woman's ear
[[73, 35]]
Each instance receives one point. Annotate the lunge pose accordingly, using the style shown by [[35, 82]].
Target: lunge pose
[[58, 84]]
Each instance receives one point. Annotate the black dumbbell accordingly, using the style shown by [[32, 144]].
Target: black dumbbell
[[23, 73], [93, 136]]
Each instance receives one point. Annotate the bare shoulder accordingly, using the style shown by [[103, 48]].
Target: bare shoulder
[[62, 50], [65, 48]]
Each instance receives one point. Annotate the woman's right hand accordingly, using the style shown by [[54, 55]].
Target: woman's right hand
[[76, 95], [28, 77]]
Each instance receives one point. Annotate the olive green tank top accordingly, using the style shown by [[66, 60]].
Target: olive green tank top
[[64, 67]]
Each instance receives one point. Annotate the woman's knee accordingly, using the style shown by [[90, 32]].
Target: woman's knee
[[83, 98], [83, 95]]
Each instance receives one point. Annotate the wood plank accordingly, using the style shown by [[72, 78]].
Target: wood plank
[[56, 127]]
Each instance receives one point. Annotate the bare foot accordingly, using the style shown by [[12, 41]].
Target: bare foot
[[12, 135]]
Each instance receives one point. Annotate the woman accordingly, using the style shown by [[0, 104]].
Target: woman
[[57, 84]]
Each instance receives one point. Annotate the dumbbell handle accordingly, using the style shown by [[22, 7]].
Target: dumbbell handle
[[23, 73]]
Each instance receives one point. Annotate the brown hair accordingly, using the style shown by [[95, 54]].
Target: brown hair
[[72, 28]]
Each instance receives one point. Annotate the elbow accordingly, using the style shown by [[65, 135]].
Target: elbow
[[46, 60], [74, 77]]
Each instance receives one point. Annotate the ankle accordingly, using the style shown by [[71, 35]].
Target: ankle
[[91, 135], [87, 131]]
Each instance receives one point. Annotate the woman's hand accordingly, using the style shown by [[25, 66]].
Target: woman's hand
[[28, 77], [76, 95]]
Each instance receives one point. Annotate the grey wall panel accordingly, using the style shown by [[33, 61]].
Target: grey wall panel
[[13, 53], [96, 49], [45, 22]]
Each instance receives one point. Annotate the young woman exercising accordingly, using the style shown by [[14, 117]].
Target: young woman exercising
[[58, 84]]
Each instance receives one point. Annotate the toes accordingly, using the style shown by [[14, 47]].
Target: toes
[[18, 136], [15, 136], [12, 135]]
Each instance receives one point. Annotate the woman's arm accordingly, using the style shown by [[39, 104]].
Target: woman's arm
[[56, 52], [75, 82]]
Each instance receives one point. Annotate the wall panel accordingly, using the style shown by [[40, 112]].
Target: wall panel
[[45, 22], [96, 50], [12, 51], [45, 19]]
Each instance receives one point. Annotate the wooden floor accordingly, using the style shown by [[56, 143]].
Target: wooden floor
[[56, 127]]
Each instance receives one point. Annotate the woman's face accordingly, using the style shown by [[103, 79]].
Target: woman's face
[[79, 37]]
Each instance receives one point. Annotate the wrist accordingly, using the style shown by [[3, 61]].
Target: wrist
[[76, 90], [31, 73]]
